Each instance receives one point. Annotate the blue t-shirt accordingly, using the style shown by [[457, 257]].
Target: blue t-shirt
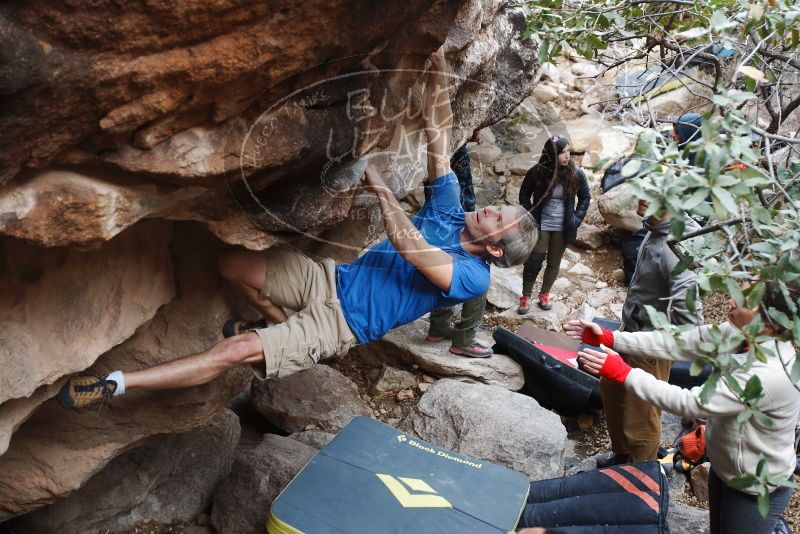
[[381, 290]]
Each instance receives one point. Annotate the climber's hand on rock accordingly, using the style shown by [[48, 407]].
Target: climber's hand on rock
[[437, 60], [372, 181]]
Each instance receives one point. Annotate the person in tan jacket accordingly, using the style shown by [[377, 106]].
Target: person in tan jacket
[[735, 448]]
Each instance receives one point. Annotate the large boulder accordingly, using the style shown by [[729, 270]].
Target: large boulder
[[63, 308], [583, 131], [406, 344], [505, 287], [236, 89], [493, 424], [608, 146], [685, 519], [169, 125], [167, 482], [551, 319], [517, 164], [590, 236], [242, 501], [618, 207], [319, 397], [56, 450]]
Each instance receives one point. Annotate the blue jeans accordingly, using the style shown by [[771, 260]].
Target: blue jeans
[[735, 512]]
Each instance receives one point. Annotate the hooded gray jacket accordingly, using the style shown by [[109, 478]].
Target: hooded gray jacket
[[653, 281]]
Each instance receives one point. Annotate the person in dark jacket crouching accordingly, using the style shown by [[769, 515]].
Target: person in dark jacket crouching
[[549, 191]]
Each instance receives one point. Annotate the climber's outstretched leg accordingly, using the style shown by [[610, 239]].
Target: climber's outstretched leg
[[301, 289], [193, 370]]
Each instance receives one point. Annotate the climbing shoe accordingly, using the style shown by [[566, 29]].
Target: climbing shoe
[[232, 327], [544, 301], [524, 305], [84, 390]]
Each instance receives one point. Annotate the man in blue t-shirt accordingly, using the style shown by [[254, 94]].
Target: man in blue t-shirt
[[318, 309]]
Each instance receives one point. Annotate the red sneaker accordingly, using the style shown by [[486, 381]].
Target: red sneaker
[[544, 301], [524, 305]]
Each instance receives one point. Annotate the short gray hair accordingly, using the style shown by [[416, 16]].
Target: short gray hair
[[518, 242]]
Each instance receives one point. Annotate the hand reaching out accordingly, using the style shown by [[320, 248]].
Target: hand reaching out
[[607, 364], [593, 360], [575, 329]]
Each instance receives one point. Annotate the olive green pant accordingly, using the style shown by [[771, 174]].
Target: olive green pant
[[634, 425], [553, 245], [464, 330]]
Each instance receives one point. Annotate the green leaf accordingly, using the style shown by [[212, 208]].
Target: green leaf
[[691, 297], [677, 226], [544, 49], [763, 504], [743, 482], [696, 368], [726, 200], [763, 419], [734, 291], [753, 390], [692, 33], [780, 317], [755, 293], [709, 387], [631, 168], [682, 265], [743, 416]]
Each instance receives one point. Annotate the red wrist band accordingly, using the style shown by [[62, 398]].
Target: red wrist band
[[615, 369], [606, 338]]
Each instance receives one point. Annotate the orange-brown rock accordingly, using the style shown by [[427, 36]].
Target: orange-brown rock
[[63, 308], [254, 120], [194, 95], [56, 450]]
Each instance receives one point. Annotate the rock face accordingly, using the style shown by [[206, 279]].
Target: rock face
[[407, 345], [392, 379], [493, 424], [242, 502], [120, 146], [63, 308], [505, 287], [56, 450], [169, 481], [319, 397], [618, 208], [168, 118], [685, 519]]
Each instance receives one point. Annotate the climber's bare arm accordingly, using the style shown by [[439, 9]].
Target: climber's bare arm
[[434, 263], [438, 115]]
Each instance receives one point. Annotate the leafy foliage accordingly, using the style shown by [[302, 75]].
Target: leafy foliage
[[741, 175]]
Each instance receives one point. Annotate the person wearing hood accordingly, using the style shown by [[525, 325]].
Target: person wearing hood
[[634, 425], [687, 129], [549, 191]]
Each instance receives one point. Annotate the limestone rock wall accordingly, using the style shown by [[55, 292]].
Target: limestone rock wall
[[138, 138]]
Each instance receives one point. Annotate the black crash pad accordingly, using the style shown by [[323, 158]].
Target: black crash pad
[[372, 479]]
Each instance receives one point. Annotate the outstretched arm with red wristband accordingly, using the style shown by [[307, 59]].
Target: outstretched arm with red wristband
[[607, 364]]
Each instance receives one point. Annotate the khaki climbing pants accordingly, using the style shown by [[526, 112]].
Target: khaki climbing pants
[[316, 328], [634, 425]]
